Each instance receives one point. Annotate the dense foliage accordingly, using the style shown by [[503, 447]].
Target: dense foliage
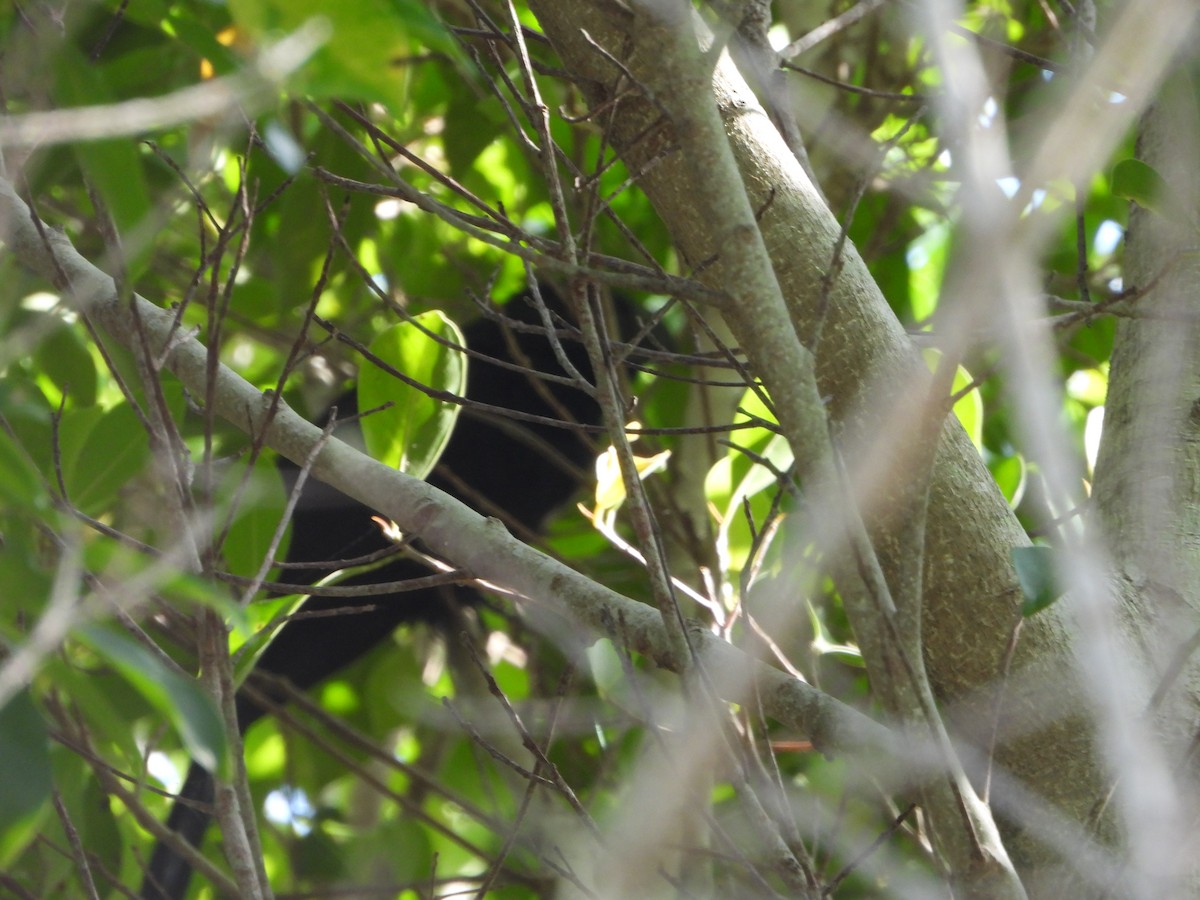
[[296, 182]]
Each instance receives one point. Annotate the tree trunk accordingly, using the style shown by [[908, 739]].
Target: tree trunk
[[1146, 492], [865, 362]]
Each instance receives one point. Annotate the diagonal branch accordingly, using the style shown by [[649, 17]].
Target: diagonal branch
[[478, 544]]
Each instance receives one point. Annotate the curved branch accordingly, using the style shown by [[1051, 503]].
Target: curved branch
[[446, 526]]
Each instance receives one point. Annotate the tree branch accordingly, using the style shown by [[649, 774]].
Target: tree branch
[[446, 526]]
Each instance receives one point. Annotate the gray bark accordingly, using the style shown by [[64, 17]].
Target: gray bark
[[971, 598]]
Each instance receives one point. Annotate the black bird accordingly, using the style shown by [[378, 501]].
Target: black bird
[[516, 469]]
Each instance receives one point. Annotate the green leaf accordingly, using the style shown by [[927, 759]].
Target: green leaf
[[25, 774], [968, 409], [200, 38], [464, 139], [264, 620], [411, 434], [89, 809], [367, 39], [1009, 473], [25, 568], [62, 355], [113, 167], [1136, 181], [20, 483], [261, 501], [823, 642], [107, 704], [737, 478], [1037, 573], [176, 697], [927, 257], [110, 450], [258, 624], [98, 825]]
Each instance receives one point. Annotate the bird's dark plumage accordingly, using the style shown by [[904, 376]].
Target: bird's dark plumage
[[517, 470]]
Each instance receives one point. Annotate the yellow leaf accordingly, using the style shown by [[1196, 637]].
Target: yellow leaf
[[610, 488]]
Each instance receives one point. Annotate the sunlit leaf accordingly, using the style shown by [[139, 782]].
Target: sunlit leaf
[[1010, 477], [411, 433], [823, 644], [968, 409], [927, 256], [265, 619], [610, 486], [739, 477]]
